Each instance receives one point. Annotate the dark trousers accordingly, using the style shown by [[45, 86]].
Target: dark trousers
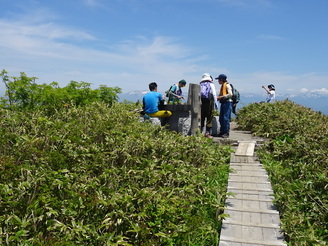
[[207, 112]]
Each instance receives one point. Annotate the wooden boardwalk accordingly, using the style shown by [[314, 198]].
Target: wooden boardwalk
[[253, 219]]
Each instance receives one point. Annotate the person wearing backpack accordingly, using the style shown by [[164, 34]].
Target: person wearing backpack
[[174, 94], [225, 98], [209, 103]]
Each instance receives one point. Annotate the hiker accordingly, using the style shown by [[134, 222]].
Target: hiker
[[151, 101], [175, 93], [209, 103], [225, 98], [271, 93]]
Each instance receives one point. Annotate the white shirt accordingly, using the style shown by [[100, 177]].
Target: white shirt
[[271, 96]]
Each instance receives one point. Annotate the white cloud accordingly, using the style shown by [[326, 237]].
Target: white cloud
[[156, 47], [51, 40], [52, 53], [323, 91], [161, 46], [41, 39]]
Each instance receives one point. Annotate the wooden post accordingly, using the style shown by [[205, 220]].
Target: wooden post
[[195, 102]]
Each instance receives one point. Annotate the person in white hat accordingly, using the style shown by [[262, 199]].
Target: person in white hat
[[209, 103]]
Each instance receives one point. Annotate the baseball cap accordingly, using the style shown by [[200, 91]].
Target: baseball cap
[[183, 82], [222, 77]]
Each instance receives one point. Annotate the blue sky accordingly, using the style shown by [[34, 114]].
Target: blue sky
[[130, 43]]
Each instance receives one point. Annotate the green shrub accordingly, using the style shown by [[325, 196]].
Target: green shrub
[[297, 162], [95, 175], [23, 93]]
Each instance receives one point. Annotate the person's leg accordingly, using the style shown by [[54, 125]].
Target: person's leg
[[228, 116], [164, 115], [161, 114], [204, 112], [226, 109], [221, 119], [202, 117], [209, 117]]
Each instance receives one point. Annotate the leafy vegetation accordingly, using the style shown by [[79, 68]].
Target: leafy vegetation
[[92, 174], [23, 93], [297, 162]]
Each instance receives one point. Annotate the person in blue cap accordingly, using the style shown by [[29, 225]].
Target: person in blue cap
[[225, 99]]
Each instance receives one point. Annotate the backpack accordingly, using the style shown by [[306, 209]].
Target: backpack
[[168, 91], [235, 95], [205, 89]]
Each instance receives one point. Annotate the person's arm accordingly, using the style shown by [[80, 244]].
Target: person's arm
[[213, 90], [161, 100], [160, 97], [229, 90], [267, 90], [173, 89]]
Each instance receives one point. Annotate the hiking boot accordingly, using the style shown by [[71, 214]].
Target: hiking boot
[[226, 135]]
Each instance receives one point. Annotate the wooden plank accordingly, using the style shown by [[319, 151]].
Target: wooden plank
[[245, 148], [252, 217]]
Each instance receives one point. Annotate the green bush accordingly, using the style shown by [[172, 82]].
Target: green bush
[[23, 93], [297, 162], [95, 175]]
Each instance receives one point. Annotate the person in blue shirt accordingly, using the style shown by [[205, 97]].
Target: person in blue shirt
[[152, 100]]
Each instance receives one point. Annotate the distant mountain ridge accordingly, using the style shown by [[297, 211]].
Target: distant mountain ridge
[[317, 101]]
